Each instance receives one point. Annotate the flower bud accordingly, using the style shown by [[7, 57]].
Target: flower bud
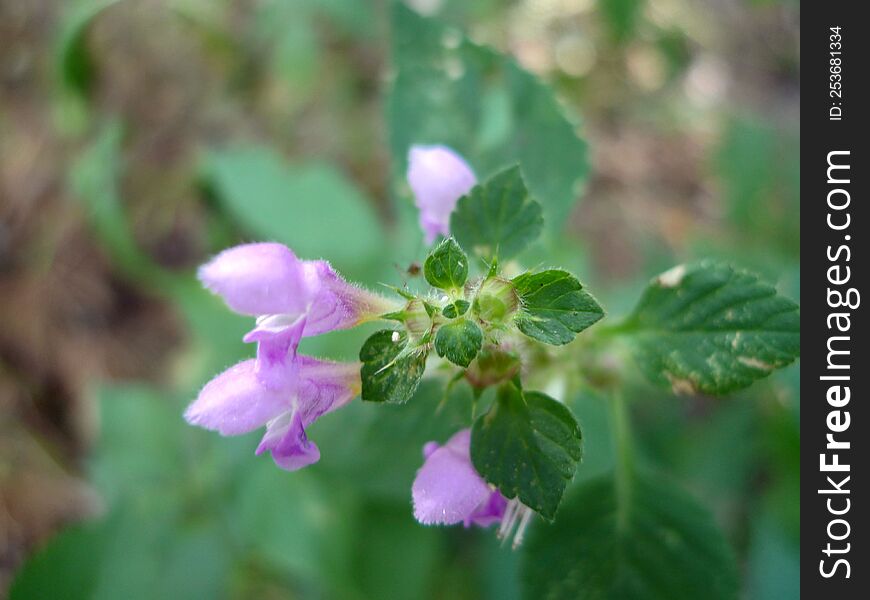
[[438, 176], [492, 366], [417, 320], [496, 300]]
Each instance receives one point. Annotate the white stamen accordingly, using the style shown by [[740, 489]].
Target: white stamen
[[521, 528], [514, 512], [507, 519]]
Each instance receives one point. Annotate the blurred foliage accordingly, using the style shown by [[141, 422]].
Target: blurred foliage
[[274, 131], [614, 540], [451, 91], [326, 216]]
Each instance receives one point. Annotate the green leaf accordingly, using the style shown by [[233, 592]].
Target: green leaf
[[140, 443], [459, 341], [758, 167], [66, 566], [307, 546], [391, 371], [456, 309], [709, 328], [311, 207], [74, 64], [497, 218], [528, 445], [555, 307], [134, 554], [665, 547], [93, 180], [451, 91], [397, 558], [446, 267]]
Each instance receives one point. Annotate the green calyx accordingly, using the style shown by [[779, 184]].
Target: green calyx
[[496, 301], [417, 318], [494, 365]]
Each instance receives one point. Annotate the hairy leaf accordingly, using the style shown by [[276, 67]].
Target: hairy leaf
[[497, 218], [528, 445], [391, 371], [446, 267], [459, 341], [709, 328], [555, 307]]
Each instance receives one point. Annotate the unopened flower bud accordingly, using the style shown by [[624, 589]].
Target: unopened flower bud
[[493, 366], [416, 318], [496, 300]]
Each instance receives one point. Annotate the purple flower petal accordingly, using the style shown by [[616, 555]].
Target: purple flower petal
[[447, 489], [325, 386], [438, 177], [429, 448], [277, 340], [320, 387], [488, 513], [260, 279], [340, 305], [236, 402], [285, 438]]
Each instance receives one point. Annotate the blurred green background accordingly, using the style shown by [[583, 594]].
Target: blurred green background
[[139, 137]]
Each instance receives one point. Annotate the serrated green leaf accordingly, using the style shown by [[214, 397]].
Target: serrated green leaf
[[555, 307], [459, 341], [528, 445], [451, 91], [497, 218], [446, 267], [709, 328], [391, 371], [666, 548]]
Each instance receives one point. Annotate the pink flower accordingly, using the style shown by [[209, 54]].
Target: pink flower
[[439, 177], [281, 390], [266, 280], [447, 489], [302, 389]]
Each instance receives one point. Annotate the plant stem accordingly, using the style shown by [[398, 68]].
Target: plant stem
[[624, 472]]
